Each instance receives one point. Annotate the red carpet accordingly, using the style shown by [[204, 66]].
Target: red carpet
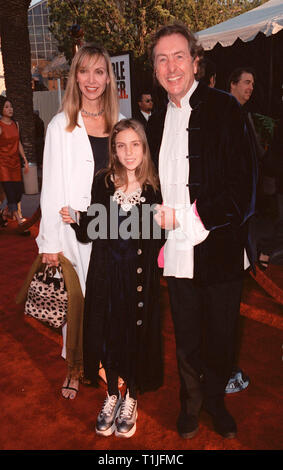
[[34, 416], [271, 280]]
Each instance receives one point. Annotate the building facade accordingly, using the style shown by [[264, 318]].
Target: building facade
[[42, 43]]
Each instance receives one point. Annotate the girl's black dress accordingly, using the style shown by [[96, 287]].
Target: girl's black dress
[[122, 326]]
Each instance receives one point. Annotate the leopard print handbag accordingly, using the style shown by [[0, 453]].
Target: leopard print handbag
[[47, 298]]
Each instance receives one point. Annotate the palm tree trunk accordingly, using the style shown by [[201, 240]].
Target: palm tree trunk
[[17, 67]]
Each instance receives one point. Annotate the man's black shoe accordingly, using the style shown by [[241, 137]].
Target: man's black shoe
[[187, 426], [224, 424]]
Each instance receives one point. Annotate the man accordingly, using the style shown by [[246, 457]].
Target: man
[[145, 103], [200, 146], [241, 84]]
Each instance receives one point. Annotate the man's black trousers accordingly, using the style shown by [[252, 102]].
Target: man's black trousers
[[205, 321]]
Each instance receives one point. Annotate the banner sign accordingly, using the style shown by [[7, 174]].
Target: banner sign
[[122, 70]]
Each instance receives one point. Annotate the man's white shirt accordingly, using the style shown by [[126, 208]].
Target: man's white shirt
[[146, 115], [174, 176]]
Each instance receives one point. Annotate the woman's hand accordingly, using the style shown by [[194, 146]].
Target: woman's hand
[[22, 154], [52, 259], [26, 167], [66, 216]]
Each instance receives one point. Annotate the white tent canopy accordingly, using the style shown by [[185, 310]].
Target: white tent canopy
[[267, 18]]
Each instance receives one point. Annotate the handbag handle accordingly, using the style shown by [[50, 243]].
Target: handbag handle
[[49, 272]]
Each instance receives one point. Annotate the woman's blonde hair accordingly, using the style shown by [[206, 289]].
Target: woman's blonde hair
[[145, 172], [72, 100]]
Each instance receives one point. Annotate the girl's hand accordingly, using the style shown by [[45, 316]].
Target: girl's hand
[[66, 216], [51, 259]]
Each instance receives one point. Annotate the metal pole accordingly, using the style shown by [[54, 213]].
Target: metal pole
[[59, 91], [269, 104]]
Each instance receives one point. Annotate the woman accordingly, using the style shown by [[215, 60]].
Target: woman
[[11, 150], [76, 147], [122, 320]]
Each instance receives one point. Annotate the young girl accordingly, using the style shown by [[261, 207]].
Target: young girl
[[122, 321]]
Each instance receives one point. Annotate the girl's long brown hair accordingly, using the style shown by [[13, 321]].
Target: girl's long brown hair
[[72, 100], [145, 173]]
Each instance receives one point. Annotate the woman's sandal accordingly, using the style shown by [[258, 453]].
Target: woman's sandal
[[102, 374], [120, 382], [67, 387]]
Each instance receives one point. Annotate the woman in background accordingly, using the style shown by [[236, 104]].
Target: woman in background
[[11, 150]]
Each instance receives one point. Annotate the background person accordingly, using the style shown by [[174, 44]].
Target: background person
[[145, 106], [76, 148], [11, 150], [241, 85]]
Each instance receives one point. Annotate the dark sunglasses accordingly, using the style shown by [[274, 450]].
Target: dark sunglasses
[[148, 100]]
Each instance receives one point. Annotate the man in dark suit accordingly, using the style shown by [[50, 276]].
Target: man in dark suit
[[208, 179], [145, 105]]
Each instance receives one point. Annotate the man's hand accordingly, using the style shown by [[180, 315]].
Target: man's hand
[[165, 217]]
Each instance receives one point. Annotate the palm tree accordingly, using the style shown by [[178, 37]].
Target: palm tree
[[17, 67]]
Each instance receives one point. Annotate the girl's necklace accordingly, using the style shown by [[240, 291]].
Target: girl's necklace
[[92, 114], [127, 201]]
